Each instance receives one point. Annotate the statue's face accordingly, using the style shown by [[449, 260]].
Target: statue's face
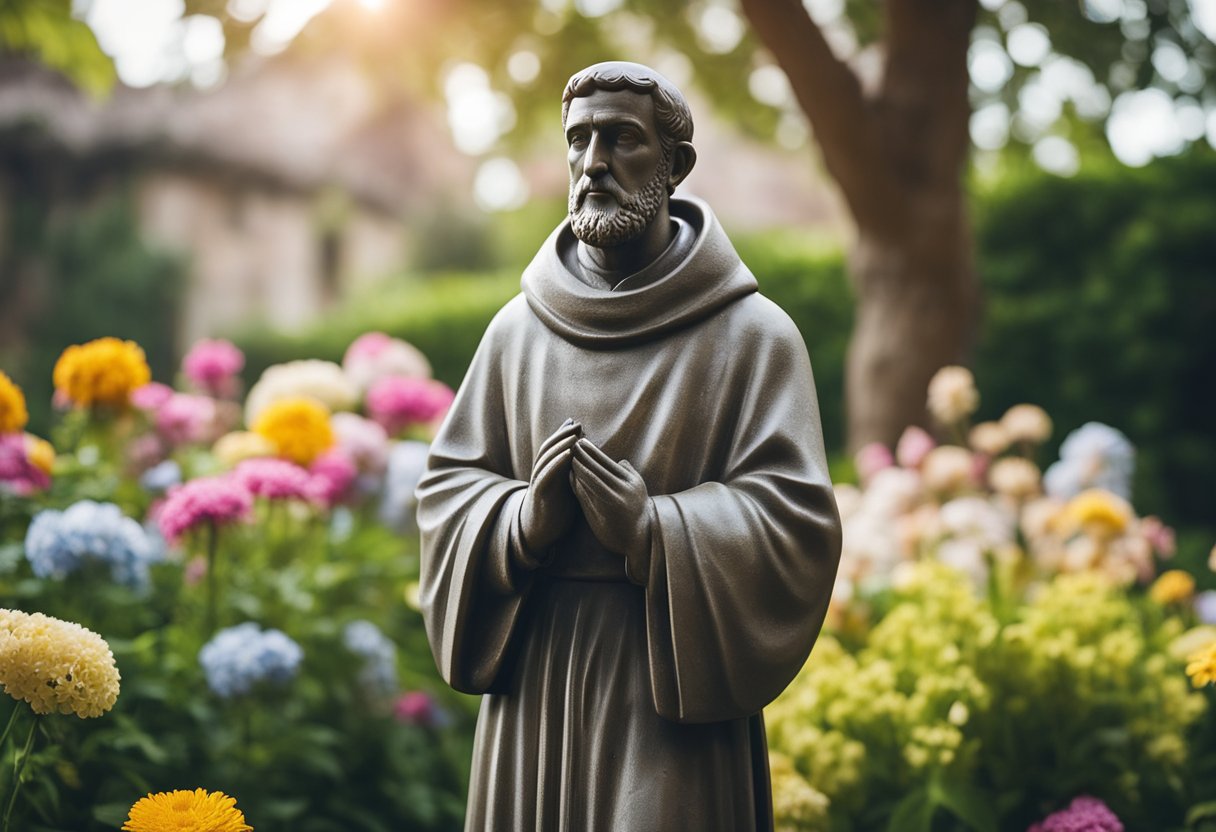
[[618, 167]]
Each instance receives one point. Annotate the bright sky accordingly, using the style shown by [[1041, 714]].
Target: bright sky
[[151, 41]]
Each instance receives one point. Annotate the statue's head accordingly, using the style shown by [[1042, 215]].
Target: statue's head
[[629, 133]]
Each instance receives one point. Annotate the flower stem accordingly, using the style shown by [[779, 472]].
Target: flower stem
[[18, 768], [12, 720], [212, 591]]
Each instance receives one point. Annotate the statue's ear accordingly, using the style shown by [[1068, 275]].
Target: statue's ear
[[683, 158]]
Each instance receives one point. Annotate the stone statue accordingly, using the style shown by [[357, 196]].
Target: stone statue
[[629, 536]]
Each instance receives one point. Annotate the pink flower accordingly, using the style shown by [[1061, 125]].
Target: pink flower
[[184, 419], [333, 473], [397, 402], [362, 440], [1085, 814], [375, 355], [274, 479], [1159, 536], [212, 367], [151, 396], [195, 571], [913, 447], [416, 707], [871, 459], [218, 500], [17, 472]]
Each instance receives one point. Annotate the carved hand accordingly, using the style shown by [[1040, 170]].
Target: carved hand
[[549, 506], [614, 500]]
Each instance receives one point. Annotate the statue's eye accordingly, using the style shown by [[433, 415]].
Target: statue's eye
[[627, 136], [578, 140]]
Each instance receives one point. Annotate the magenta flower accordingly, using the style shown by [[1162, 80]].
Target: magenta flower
[[185, 418], [151, 396], [217, 500], [274, 479], [212, 367], [914, 445], [416, 707], [18, 473], [333, 473], [1085, 814], [397, 402]]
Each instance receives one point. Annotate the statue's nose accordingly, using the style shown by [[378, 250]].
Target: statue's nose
[[595, 162]]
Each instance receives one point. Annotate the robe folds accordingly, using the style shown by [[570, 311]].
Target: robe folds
[[617, 702]]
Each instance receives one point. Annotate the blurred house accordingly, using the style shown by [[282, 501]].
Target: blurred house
[[286, 185]]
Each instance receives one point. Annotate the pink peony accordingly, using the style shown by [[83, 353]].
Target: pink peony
[[218, 500], [913, 447], [871, 459], [397, 402], [274, 479], [212, 367], [333, 473], [151, 396], [18, 473], [416, 707], [375, 355], [362, 440], [1085, 814], [184, 419]]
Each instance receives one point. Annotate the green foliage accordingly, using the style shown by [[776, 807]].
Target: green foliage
[[1099, 307], [97, 278], [47, 29]]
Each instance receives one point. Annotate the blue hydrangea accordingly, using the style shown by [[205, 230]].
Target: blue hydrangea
[[161, 477], [1092, 456], [379, 672], [406, 464], [239, 658], [60, 542]]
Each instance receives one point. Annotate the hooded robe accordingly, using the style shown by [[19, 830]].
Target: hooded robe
[[618, 702]]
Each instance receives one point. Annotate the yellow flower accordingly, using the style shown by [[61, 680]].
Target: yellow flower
[[240, 445], [186, 811], [1172, 587], [1202, 666], [56, 666], [13, 414], [101, 372], [40, 453], [298, 427], [1099, 513]]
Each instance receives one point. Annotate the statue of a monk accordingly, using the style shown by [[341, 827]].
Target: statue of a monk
[[629, 536]]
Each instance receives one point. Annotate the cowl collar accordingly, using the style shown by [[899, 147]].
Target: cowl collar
[[707, 279]]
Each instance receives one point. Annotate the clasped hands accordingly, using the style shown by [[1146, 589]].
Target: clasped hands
[[571, 472]]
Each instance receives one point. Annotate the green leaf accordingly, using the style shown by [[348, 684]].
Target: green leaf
[[111, 814], [969, 804], [914, 813]]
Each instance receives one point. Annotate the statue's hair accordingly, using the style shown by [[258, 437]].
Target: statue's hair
[[671, 111]]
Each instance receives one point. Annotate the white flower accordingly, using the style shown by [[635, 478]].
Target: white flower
[[952, 395], [1014, 477], [948, 469], [989, 438], [1092, 456], [1027, 423], [323, 381]]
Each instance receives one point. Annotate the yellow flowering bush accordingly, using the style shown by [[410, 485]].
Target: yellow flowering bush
[[56, 666], [13, 415], [798, 806], [966, 703], [101, 372], [298, 428], [184, 810]]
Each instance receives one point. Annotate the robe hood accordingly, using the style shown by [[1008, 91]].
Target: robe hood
[[709, 278]]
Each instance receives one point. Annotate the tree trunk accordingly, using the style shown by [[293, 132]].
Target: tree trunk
[[898, 155]]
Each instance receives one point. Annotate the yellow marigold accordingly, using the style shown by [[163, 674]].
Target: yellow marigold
[[13, 414], [186, 811], [240, 445], [40, 453], [298, 427], [1202, 666], [1099, 512], [56, 666], [101, 372], [1172, 587]]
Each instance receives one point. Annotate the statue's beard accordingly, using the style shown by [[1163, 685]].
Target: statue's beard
[[632, 214]]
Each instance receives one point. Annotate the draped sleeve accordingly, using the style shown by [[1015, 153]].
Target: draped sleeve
[[741, 569], [468, 509]]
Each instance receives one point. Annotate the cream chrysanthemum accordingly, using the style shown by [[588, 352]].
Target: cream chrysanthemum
[[186, 811], [56, 666]]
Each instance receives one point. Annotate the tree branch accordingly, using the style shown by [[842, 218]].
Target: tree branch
[[830, 95]]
